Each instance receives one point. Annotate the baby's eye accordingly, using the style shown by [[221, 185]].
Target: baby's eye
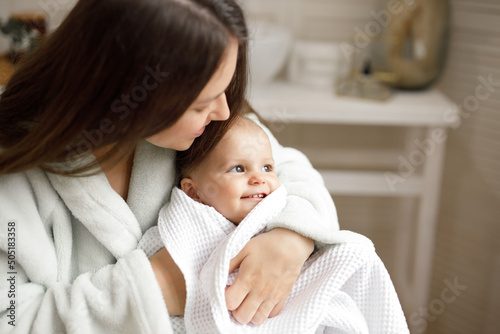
[[267, 168], [237, 169]]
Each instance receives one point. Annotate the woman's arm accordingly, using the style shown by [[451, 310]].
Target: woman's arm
[[271, 262], [51, 294], [170, 280], [119, 298]]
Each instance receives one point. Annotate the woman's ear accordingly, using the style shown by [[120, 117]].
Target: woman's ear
[[189, 188]]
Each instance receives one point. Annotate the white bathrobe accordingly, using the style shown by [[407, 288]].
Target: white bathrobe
[[342, 288], [77, 268]]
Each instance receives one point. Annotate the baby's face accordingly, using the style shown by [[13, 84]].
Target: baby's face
[[237, 174]]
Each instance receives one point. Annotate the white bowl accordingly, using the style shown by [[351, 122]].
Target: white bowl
[[269, 47], [314, 63]]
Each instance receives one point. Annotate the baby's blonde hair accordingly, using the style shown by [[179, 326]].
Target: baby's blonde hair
[[186, 166]]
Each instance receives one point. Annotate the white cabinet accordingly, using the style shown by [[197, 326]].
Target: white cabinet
[[425, 116]]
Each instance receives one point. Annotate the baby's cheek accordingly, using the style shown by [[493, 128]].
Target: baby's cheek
[[211, 191], [275, 183]]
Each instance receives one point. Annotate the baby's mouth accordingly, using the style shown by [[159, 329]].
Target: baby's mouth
[[256, 196]]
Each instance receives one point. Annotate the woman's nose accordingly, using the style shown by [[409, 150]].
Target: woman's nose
[[221, 109]]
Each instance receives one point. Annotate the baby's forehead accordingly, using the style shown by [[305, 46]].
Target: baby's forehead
[[246, 125], [245, 134], [245, 139]]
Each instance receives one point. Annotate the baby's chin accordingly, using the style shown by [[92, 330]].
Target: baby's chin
[[245, 208], [238, 218]]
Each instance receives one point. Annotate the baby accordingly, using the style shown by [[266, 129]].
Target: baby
[[236, 175], [344, 286]]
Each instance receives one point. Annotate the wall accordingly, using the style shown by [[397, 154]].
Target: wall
[[325, 20], [55, 11], [467, 254], [469, 221], [4, 14]]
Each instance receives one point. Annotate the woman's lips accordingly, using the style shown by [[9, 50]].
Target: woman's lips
[[199, 133]]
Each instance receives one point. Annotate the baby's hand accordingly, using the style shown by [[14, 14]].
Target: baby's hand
[[269, 265]]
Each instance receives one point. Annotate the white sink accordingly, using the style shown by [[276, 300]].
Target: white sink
[[269, 47]]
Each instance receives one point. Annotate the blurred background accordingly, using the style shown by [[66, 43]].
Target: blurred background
[[466, 250], [372, 57]]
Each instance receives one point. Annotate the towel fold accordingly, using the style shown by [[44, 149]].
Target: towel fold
[[342, 288]]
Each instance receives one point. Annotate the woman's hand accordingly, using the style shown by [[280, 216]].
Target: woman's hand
[[269, 266], [171, 281]]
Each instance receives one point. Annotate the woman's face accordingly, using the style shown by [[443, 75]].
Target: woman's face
[[210, 105]]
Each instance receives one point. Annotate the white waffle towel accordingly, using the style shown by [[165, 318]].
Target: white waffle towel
[[342, 288]]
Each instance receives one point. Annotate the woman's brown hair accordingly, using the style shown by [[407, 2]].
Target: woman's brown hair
[[114, 72]]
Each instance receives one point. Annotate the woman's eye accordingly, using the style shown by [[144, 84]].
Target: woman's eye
[[267, 168], [237, 169]]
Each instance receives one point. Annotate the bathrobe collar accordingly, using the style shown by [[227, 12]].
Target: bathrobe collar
[[118, 224]]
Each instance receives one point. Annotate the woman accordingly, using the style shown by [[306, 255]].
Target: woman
[[89, 125]]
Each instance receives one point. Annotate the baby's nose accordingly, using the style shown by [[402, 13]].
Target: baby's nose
[[257, 179]]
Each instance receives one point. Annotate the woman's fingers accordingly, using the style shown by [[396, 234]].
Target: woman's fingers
[[235, 295], [237, 292], [254, 309], [269, 264], [245, 312], [252, 298], [277, 308], [236, 261], [263, 312]]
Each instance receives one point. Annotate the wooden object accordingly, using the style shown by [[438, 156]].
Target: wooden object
[[416, 41], [6, 69]]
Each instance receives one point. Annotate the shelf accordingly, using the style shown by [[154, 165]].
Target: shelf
[[291, 103], [347, 158], [369, 184], [282, 103]]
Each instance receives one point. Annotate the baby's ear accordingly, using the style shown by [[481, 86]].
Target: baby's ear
[[189, 188]]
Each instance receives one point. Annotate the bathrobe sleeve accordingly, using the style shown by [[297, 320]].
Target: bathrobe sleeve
[[43, 291], [310, 210]]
